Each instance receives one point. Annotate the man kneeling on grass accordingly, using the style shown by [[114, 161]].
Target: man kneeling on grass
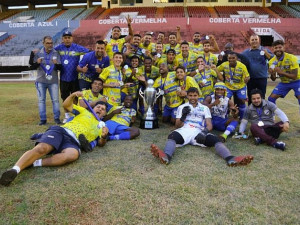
[[62, 141], [193, 121]]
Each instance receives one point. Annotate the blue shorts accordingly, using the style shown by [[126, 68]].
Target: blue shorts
[[283, 88], [168, 111], [219, 123], [115, 128], [241, 93], [57, 137]]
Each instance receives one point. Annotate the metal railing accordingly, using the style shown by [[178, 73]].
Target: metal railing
[[20, 76]]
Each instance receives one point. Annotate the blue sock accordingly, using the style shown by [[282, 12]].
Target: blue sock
[[125, 135], [231, 127], [272, 99], [242, 109], [114, 137], [93, 143]]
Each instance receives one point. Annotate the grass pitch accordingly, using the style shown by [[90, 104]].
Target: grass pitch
[[122, 183]]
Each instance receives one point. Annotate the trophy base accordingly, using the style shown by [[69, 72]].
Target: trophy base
[[149, 124]]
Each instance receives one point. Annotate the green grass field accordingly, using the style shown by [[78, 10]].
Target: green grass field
[[122, 183]]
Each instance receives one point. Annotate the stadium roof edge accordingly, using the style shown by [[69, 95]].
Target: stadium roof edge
[[38, 2]]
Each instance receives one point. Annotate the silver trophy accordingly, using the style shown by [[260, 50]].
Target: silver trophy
[[150, 95]]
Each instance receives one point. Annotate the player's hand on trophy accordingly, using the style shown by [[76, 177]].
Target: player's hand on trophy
[[185, 111]]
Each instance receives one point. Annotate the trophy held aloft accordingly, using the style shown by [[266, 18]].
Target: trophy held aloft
[[150, 95]]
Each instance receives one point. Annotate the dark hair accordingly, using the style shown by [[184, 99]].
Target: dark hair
[[116, 27], [117, 53], [256, 91], [100, 42], [98, 79], [172, 34], [147, 58], [278, 42], [232, 53], [205, 42], [161, 32], [192, 90], [101, 103], [134, 57], [171, 51], [184, 43], [47, 37], [137, 35], [180, 67], [200, 57], [196, 33]]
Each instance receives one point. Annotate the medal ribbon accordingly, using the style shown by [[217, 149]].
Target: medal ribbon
[[231, 73], [47, 59], [259, 112], [91, 110]]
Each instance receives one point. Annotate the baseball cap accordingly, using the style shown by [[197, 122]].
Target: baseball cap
[[67, 33]]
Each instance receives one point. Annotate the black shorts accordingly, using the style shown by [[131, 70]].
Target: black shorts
[[67, 88], [58, 137]]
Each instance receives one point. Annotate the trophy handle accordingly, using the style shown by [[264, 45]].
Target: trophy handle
[[157, 94], [142, 94]]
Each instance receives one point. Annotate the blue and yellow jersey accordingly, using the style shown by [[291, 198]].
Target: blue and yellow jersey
[[188, 63], [171, 66], [288, 63], [89, 97], [85, 123], [70, 57], [234, 77], [170, 85], [208, 76], [176, 48], [114, 46], [133, 89], [210, 59], [124, 117], [112, 75], [196, 48], [150, 47], [153, 75]]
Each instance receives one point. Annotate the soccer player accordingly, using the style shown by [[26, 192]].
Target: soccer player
[[258, 69], [92, 65], [174, 86], [205, 76], [174, 40], [119, 120], [221, 108], [147, 44], [113, 80], [193, 123], [133, 49], [197, 47], [47, 61], [62, 141], [209, 58], [187, 58], [116, 43], [261, 115], [236, 78], [92, 96], [285, 66]]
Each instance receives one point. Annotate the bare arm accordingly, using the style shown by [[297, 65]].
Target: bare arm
[[178, 123], [103, 137], [208, 124], [130, 31], [68, 103]]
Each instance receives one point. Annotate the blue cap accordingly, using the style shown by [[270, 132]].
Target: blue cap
[[67, 33]]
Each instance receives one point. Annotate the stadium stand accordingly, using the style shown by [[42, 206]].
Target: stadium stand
[[175, 11], [8, 14], [70, 14], [198, 11], [147, 11], [85, 14], [281, 12], [38, 15], [290, 10], [95, 14]]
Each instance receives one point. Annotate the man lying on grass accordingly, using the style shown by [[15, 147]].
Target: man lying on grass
[[62, 141], [193, 121]]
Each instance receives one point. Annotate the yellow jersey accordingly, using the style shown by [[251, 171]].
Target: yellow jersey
[[207, 77], [124, 117]]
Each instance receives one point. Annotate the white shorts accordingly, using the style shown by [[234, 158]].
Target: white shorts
[[188, 135]]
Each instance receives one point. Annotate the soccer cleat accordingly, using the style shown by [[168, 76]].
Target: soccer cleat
[[42, 122], [58, 122], [240, 160], [156, 152], [223, 137], [257, 141], [84, 144], [8, 176], [36, 136], [279, 145]]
